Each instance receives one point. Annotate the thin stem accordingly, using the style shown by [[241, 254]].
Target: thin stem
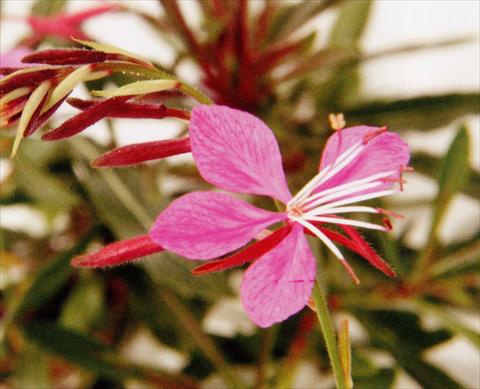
[[328, 332], [266, 344]]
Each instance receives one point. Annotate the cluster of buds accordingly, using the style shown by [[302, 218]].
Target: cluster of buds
[[29, 96]]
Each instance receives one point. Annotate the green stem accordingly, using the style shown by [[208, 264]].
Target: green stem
[[328, 332]]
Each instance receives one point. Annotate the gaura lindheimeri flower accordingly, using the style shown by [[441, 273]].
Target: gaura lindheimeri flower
[[237, 152]]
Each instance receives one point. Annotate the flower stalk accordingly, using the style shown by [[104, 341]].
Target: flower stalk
[[328, 333]]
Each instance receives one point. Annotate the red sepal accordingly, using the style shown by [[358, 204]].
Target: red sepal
[[84, 119], [252, 252], [27, 79], [119, 252], [134, 109], [367, 252], [142, 152], [38, 120], [71, 57]]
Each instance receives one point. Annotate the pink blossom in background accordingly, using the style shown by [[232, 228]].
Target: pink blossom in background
[[63, 25], [13, 58], [237, 152]]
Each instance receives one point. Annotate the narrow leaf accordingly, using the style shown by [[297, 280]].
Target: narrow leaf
[[453, 175], [139, 88], [350, 24], [424, 112], [51, 277], [68, 83], [33, 103]]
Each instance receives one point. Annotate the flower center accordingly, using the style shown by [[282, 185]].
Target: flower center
[[311, 207]]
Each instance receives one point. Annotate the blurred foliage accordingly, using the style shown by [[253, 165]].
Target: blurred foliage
[[62, 327]]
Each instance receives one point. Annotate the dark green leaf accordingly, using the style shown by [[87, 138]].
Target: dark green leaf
[[85, 304], [453, 175], [449, 320], [96, 357], [41, 185], [366, 375], [81, 350], [423, 113], [51, 277]]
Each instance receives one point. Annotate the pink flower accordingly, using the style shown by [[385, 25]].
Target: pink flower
[[237, 152]]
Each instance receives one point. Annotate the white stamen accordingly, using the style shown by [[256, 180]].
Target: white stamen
[[310, 184], [342, 163], [349, 184], [326, 199], [326, 173], [356, 199], [331, 211], [320, 235], [347, 222]]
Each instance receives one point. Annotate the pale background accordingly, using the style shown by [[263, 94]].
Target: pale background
[[393, 23]]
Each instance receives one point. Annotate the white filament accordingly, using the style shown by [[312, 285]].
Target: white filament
[[305, 208]]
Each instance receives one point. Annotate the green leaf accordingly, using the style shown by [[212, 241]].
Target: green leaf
[[452, 177], [96, 357], [366, 375], [459, 260], [32, 369], [423, 113], [350, 24], [81, 350], [85, 304], [429, 165], [290, 18], [50, 278], [41, 185], [126, 215], [46, 282], [453, 174], [46, 8], [175, 272]]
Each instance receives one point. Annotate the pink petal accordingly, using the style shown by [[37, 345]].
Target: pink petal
[[279, 284], [206, 225], [384, 152], [236, 151]]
